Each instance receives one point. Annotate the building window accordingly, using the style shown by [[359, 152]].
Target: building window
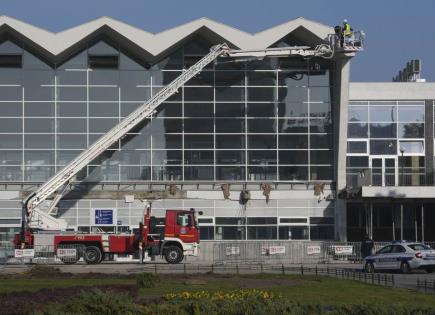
[[11, 61], [103, 62]]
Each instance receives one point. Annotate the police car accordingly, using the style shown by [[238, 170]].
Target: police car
[[403, 256]]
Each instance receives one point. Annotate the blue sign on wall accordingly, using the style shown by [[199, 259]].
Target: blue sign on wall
[[103, 216]]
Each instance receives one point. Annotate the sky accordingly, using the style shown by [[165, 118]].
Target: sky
[[397, 30]]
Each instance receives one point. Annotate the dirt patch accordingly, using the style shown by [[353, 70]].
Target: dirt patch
[[27, 302]]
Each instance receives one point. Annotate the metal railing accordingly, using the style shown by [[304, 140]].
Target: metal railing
[[358, 177]]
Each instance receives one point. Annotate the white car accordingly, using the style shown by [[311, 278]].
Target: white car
[[404, 256]]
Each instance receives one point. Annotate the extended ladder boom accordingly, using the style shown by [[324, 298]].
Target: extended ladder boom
[[37, 218], [113, 135]]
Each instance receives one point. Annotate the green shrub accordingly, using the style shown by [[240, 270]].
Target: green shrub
[[147, 280], [96, 302]]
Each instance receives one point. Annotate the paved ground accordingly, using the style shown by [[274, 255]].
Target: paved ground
[[426, 281]]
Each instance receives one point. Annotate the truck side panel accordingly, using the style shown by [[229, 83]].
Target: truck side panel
[[121, 243]]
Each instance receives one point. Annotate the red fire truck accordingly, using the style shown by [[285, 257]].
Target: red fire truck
[[179, 238]]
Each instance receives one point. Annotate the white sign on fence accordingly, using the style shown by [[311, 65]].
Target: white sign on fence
[[343, 250], [24, 253], [232, 251], [66, 252], [272, 250], [313, 250]]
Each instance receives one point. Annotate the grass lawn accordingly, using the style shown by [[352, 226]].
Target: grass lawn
[[305, 289]]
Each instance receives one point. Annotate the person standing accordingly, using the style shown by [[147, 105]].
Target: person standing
[[367, 245], [347, 33]]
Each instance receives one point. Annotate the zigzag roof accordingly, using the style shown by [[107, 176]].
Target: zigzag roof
[[55, 44]]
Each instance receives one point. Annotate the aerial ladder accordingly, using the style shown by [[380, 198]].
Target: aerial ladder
[[43, 219]]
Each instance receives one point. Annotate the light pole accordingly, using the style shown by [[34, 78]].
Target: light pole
[[402, 150]]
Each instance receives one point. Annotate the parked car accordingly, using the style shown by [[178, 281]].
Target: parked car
[[403, 256]]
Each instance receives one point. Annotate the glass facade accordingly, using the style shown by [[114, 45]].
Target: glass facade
[[387, 138], [264, 120]]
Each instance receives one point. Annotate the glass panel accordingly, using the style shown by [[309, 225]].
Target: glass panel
[[71, 77], [321, 157], [382, 113], [163, 141], [198, 125], [71, 141], [293, 157], [262, 125], [35, 157], [262, 232], [411, 113], [261, 78], [11, 93], [322, 232], [358, 114], [230, 141], [38, 109], [230, 94], [262, 173], [98, 125], [230, 173], [293, 173], [229, 233], [357, 147], [11, 76], [71, 125], [293, 141], [135, 172], [412, 146], [39, 125], [11, 141], [261, 110], [198, 109], [293, 77], [38, 141], [38, 173], [71, 93], [380, 147], [204, 94], [230, 157], [11, 125], [261, 94], [104, 77], [383, 130], [230, 109], [110, 94], [230, 125], [263, 157], [230, 78], [198, 142], [71, 109], [293, 94], [293, 125], [11, 157], [166, 157], [411, 130], [198, 173], [64, 157], [321, 173], [293, 232], [11, 173], [198, 157], [38, 85], [167, 173], [357, 131], [103, 109], [262, 141], [11, 109], [321, 141]]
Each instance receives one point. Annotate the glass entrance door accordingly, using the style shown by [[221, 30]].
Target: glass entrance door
[[384, 171]]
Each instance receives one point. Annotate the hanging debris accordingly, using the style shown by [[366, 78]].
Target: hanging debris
[[172, 189], [226, 190], [267, 188]]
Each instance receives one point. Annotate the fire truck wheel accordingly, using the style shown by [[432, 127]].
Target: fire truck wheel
[[92, 255], [173, 254]]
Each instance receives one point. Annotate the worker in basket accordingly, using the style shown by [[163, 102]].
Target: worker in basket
[[347, 34]]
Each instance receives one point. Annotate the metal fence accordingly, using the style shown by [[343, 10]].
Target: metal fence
[[304, 252]]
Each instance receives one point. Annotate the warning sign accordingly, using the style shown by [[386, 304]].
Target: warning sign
[[24, 253]]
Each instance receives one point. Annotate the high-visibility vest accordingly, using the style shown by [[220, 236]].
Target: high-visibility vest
[[346, 29]]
